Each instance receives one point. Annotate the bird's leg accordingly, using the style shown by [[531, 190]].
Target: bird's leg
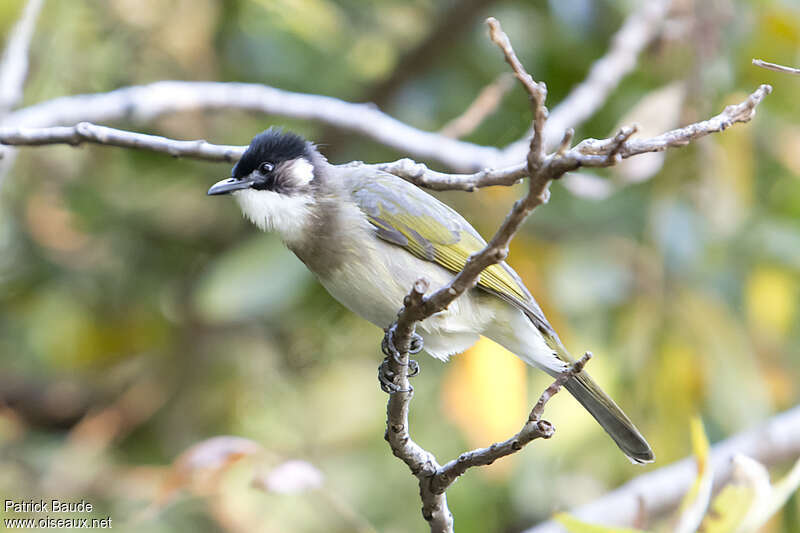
[[385, 374], [386, 378]]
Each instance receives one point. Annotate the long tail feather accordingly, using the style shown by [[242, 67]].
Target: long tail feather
[[610, 416]]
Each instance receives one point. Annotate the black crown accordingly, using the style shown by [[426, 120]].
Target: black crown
[[273, 146]]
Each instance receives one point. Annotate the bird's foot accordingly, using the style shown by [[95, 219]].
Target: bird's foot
[[386, 377], [389, 350], [385, 374]]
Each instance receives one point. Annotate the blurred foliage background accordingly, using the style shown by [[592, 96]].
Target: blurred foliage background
[[139, 317]]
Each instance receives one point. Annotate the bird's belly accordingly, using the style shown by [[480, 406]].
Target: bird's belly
[[368, 292], [374, 290]]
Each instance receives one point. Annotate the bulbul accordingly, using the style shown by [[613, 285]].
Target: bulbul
[[367, 235]]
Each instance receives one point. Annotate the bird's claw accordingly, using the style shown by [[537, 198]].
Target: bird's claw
[[416, 344], [389, 350], [386, 377], [413, 368], [385, 374]]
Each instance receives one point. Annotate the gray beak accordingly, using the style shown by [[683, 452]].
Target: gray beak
[[229, 185]]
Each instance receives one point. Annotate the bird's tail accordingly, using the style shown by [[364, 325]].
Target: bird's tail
[[610, 417]]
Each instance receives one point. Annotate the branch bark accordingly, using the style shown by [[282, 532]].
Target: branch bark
[[589, 153], [541, 169], [776, 67], [638, 30], [86, 132], [144, 103]]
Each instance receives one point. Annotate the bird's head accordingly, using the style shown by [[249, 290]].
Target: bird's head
[[273, 183]]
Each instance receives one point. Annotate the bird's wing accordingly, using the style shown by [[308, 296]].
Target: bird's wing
[[407, 216]]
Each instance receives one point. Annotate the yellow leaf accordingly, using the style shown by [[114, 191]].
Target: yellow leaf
[[728, 509], [485, 394], [770, 295], [574, 525], [697, 499]]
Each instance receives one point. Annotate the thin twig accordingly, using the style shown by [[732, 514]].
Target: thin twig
[[776, 67], [91, 133], [639, 29], [422, 176], [595, 153], [535, 428], [14, 63], [486, 103]]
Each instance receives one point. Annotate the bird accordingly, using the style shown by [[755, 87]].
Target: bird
[[368, 235]]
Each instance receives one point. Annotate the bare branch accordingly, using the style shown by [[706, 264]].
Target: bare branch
[[638, 30], [145, 102], [541, 169], [535, 428], [776, 67], [486, 103], [421, 176], [589, 153], [537, 92], [596, 153], [418, 306], [14, 63], [654, 493], [86, 132]]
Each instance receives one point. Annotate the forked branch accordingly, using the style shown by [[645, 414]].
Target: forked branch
[[541, 169], [539, 166]]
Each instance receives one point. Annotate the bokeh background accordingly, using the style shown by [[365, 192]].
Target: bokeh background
[[139, 317]]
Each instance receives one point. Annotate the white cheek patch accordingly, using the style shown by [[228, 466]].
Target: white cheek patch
[[288, 216], [301, 171]]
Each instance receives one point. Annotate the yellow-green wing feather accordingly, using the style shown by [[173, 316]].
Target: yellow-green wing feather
[[409, 217]]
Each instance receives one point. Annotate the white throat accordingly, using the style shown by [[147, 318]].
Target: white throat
[[288, 216]]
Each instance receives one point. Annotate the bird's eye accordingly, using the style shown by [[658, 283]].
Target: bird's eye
[[265, 167]]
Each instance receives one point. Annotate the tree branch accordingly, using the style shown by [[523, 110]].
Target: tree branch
[[535, 427], [91, 133], [14, 70], [541, 170], [14, 63], [776, 67], [145, 102], [589, 153], [539, 166], [638, 30], [486, 103], [655, 493]]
